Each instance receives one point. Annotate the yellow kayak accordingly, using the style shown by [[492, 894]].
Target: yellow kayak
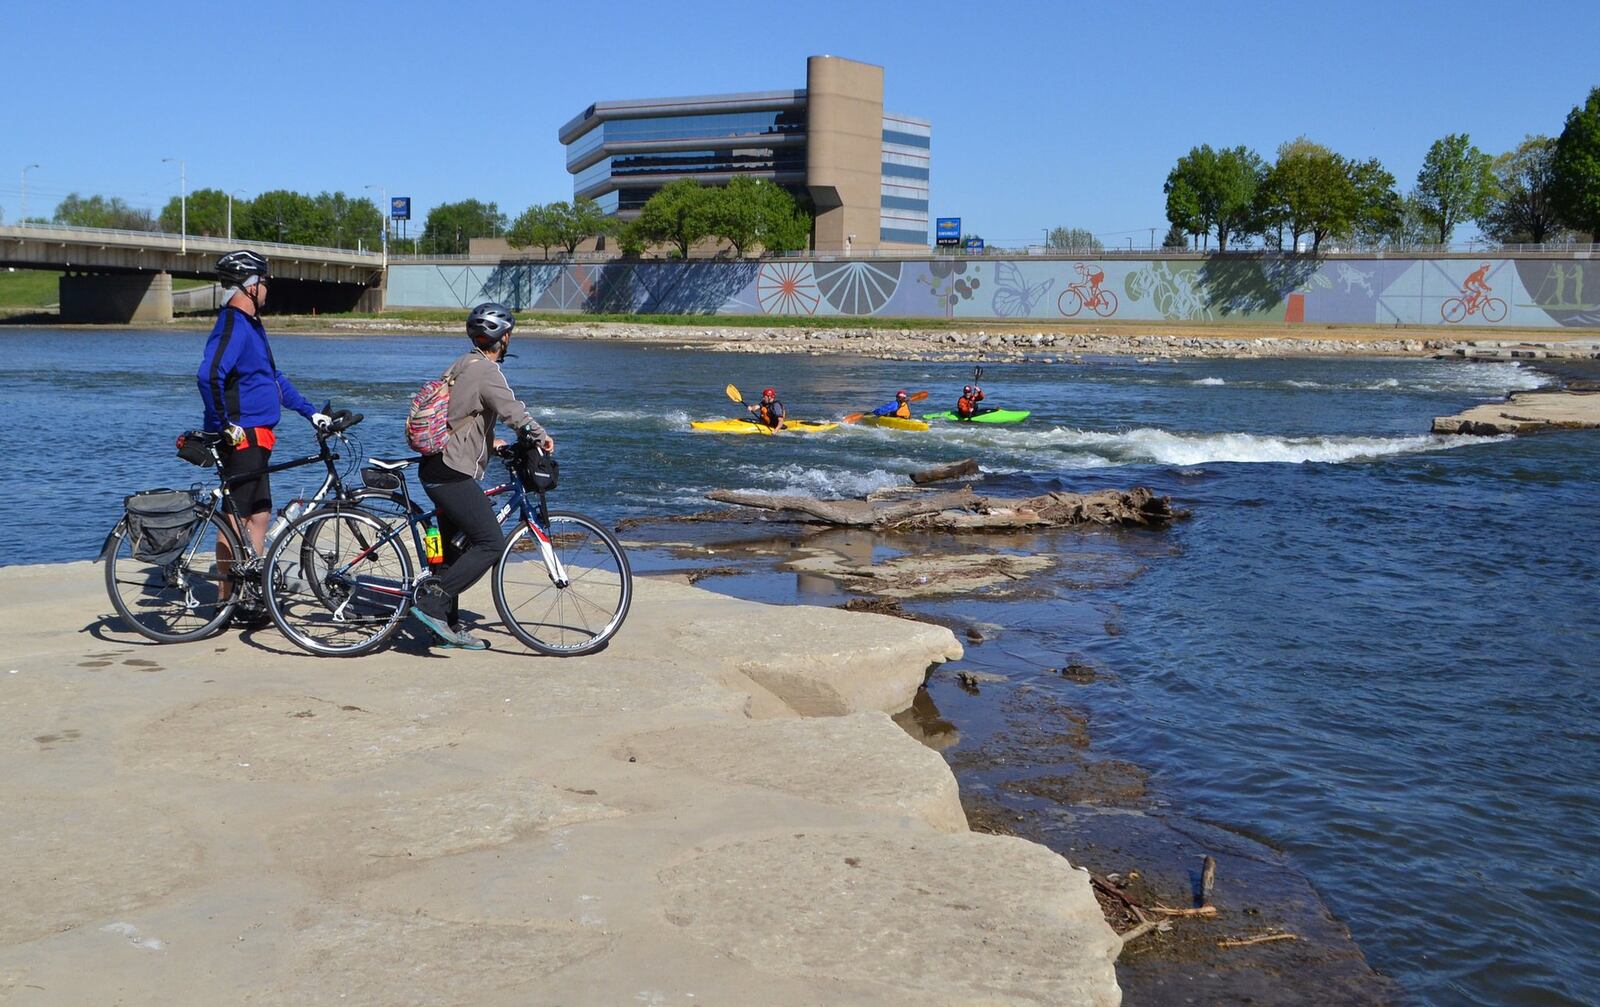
[[752, 427], [894, 423]]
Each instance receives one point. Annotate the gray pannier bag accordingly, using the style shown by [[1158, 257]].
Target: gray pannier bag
[[160, 523]]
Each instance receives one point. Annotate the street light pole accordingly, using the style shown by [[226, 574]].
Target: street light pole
[[24, 218], [383, 207], [183, 203], [230, 210]]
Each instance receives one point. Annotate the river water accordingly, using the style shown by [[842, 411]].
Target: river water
[[1373, 649]]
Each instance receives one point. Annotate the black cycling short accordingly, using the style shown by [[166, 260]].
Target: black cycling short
[[250, 496]]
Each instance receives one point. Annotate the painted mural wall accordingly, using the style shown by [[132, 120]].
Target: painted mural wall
[[1465, 292]]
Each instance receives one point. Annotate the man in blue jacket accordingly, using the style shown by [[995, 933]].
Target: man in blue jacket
[[244, 394]]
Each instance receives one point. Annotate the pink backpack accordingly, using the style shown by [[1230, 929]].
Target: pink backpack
[[428, 422]]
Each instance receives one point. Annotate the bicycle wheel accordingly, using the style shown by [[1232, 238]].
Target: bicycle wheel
[[177, 601], [1106, 306], [578, 618], [339, 581], [1453, 310], [1070, 302], [1494, 310]]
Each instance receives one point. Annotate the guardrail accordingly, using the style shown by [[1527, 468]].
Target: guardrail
[[207, 241]]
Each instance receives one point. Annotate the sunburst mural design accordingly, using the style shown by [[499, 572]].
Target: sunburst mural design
[[787, 288], [857, 288]]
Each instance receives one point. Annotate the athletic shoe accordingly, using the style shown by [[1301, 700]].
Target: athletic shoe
[[447, 637]]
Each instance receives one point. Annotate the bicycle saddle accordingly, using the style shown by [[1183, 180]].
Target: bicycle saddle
[[393, 464]]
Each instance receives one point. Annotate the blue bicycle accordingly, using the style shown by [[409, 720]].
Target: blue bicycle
[[340, 580]]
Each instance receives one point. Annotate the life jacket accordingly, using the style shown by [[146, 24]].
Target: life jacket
[[903, 410], [771, 415], [966, 407]]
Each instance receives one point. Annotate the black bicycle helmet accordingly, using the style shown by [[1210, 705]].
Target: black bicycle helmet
[[489, 323], [236, 267]]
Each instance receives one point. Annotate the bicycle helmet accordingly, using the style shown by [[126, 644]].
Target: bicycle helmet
[[769, 393], [489, 323], [237, 269]]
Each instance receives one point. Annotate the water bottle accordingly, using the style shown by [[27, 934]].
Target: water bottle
[[433, 544], [286, 516]]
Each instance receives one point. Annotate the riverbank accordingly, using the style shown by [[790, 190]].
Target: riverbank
[[1033, 341], [717, 804]]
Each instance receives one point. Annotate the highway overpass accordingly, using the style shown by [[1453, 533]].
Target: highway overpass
[[126, 276]]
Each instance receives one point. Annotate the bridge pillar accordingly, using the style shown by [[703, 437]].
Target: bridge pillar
[[124, 298]]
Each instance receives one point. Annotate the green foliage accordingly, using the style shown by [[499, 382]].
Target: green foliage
[[1455, 184], [1576, 167], [735, 213], [1523, 209], [1074, 239], [578, 220], [208, 213], [328, 219], [679, 214], [450, 227], [1400, 223], [630, 241], [1176, 237], [1312, 190], [535, 226], [1215, 189], [98, 211]]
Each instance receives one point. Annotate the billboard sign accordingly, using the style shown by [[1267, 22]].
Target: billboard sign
[[399, 207], [947, 231], [973, 246]]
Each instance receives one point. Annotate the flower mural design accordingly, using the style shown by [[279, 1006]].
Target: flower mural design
[[949, 283], [787, 288], [857, 288]]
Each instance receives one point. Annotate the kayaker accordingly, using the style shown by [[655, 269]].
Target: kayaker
[[901, 406], [967, 404], [769, 411]]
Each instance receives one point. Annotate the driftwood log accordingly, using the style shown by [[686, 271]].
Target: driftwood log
[[939, 473], [964, 510]]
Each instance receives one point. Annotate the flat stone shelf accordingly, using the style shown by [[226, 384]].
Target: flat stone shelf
[[1525, 412]]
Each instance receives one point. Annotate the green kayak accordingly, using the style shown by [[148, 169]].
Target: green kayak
[[983, 416]]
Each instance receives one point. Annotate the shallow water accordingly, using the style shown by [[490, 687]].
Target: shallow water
[[1371, 648]]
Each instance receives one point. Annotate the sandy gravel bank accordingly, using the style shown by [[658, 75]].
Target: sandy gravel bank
[[231, 821]]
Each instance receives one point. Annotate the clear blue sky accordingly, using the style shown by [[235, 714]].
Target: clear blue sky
[[1043, 113]]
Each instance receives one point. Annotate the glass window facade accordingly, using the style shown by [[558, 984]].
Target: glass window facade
[[903, 236], [686, 127], [737, 159]]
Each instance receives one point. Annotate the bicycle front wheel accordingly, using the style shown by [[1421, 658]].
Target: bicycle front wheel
[[1494, 310], [1106, 306], [339, 581], [564, 620], [179, 600]]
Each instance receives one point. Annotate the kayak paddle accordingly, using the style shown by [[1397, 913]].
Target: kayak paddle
[[854, 417]]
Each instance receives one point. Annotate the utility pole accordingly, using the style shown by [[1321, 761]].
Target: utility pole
[[183, 203], [230, 211], [383, 206], [1046, 238], [25, 168]]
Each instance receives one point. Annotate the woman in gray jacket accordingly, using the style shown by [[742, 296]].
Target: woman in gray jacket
[[478, 397]]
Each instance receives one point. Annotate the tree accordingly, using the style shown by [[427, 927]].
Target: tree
[[785, 223], [580, 219], [450, 227], [1215, 189], [1576, 167], [338, 221], [1455, 184], [1402, 223], [677, 214], [630, 241], [535, 226], [98, 211], [1523, 208], [208, 213], [278, 215], [1176, 237], [1073, 239], [734, 213], [1378, 204]]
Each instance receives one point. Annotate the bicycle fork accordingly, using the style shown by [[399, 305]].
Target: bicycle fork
[[547, 552]]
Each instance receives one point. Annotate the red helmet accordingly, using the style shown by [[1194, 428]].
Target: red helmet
[[769, 393], [900, 394], [967, 390]]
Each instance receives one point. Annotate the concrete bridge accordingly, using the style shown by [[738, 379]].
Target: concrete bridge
[[126, 276]]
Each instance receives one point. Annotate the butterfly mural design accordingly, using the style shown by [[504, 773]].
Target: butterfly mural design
[[1014, 296]]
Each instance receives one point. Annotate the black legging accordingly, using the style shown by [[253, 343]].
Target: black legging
[[462, 509]]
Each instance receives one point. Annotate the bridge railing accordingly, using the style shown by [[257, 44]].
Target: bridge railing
[[205, 241]]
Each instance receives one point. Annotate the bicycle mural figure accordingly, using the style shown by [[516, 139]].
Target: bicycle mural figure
[[1474, 300], [1086, 293]]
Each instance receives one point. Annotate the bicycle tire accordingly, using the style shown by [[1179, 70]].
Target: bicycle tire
[[527, 599], [1494, 310], [1453, 310], [391, 509], [158, 597], [1106, 306], [1076, 299], [364, 582]]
